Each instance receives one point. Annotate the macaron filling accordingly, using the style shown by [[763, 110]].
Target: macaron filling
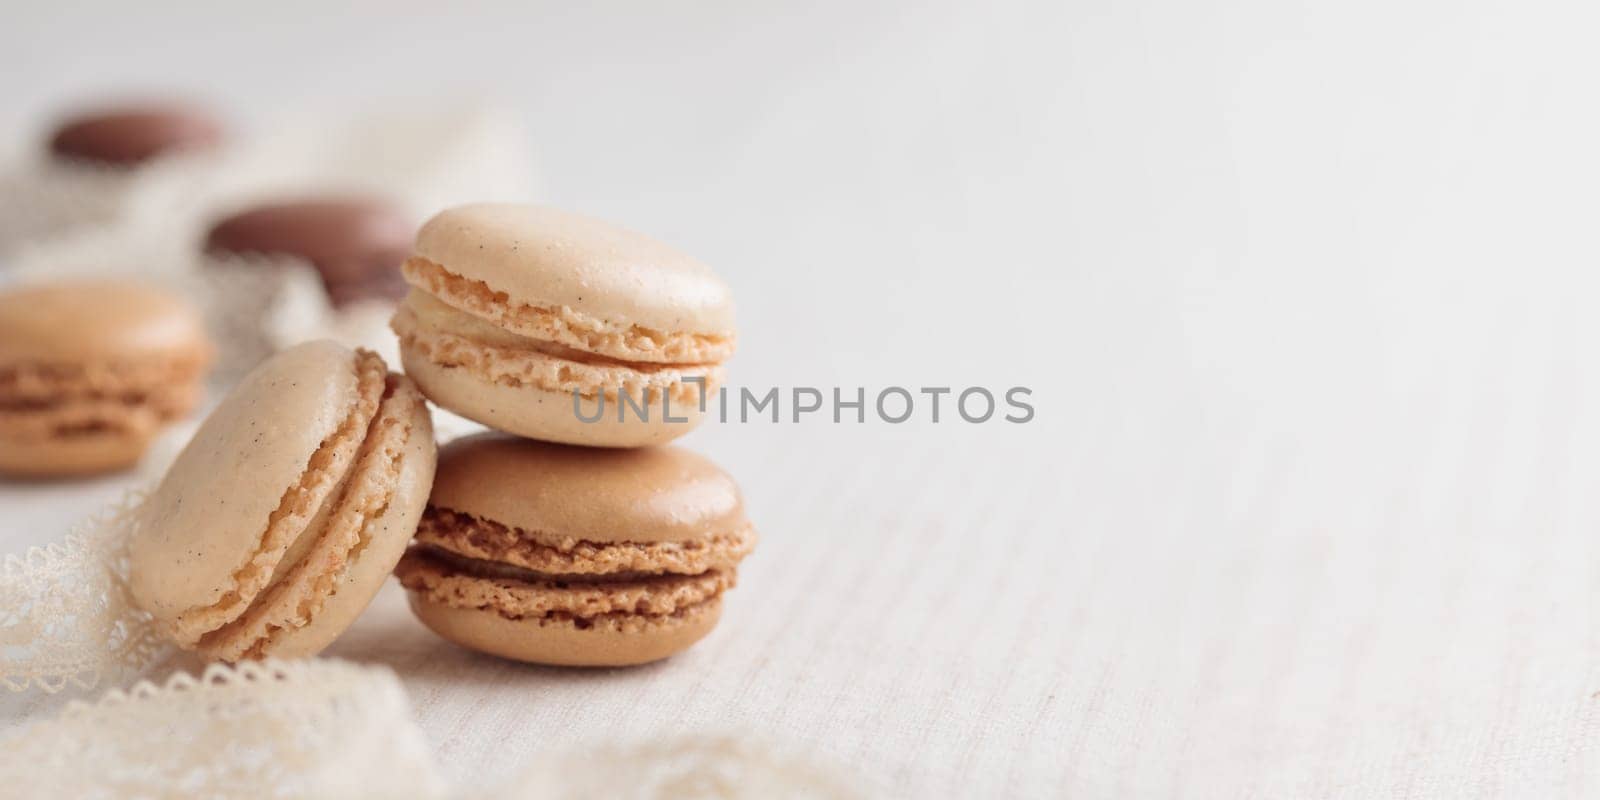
[[538, 552], [516, 593], [45, 401], [469, 563], [313, 567], [567, 326], [297, 510], [136, 412], [117, 378]]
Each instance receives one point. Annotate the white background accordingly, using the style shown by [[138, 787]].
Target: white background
[[1304, 291]]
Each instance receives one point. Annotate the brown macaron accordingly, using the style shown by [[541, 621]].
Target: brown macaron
[[355, 244], [131, 135], [554, 554], [90, 372]]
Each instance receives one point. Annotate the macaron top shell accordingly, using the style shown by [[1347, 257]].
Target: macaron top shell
[[655, 494], [230, 479], [74, 321], [546, 257], [129, 136]]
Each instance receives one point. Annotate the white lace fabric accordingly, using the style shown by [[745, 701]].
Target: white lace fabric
[[318, 728], [306, 729], [323, 728], [65, 615]]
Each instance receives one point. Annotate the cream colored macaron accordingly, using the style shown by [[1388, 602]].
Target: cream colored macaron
[[561, 327], [282, 517], [575, 556], [91, 372]]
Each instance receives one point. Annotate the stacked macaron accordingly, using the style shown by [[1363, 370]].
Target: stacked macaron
[[566, 547]]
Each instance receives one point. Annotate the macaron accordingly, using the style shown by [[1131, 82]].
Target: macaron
[[281, 519], [562, 327], [90, 373], [574, 556], [127, 136], [355, 244]]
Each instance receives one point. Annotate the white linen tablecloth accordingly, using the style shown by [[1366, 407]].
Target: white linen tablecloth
[[1305, 295]]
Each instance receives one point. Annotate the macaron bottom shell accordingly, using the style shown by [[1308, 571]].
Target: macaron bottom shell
[[81, 426], [562, 642], [548, 415], [80, 455], [606, 619]]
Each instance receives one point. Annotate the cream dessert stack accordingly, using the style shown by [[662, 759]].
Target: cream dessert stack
[[562, 328]]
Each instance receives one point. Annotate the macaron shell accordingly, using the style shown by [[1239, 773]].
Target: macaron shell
[[387, 534], [542, 413], [206, 518], [660, 494], [560, 325], [544, 256], [563, 643], [355, 244], [75, 436], [75, 456], [129, 136], [139, 410], [166, 385], [73, 322], [450, 338]]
